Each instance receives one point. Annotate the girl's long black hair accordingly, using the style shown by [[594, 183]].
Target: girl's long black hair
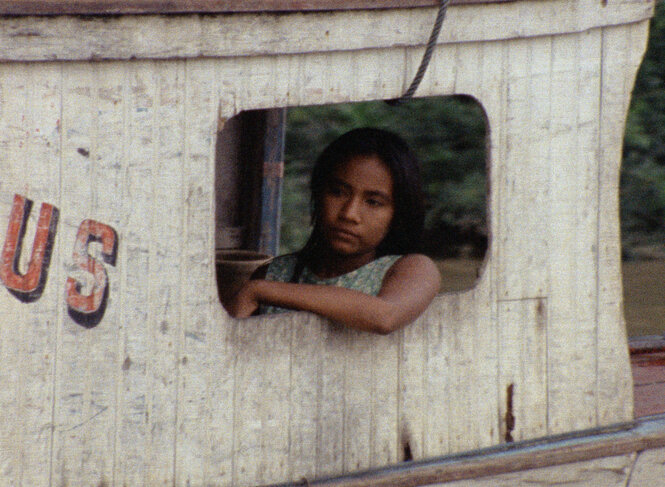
[[406, 228]]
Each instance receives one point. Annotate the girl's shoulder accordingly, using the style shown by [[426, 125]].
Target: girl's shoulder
[[418, 268], [408, 261]]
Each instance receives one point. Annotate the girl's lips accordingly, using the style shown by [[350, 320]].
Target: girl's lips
[[340, 232]]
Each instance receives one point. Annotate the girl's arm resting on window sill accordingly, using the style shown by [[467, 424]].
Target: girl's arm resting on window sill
[[408, 288]]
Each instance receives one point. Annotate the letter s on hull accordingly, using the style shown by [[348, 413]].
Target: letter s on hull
[[88, 310], [29, 286]]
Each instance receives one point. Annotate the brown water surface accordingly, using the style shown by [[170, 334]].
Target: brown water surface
[[643, 287]]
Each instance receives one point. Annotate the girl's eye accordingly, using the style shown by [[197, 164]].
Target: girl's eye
[[375, 202]]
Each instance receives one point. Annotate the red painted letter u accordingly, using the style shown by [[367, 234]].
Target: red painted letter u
[[29, 286]]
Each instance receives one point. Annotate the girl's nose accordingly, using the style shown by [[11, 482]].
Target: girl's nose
[[351, 210]]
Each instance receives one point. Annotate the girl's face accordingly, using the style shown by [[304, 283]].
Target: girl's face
[[357, 207]]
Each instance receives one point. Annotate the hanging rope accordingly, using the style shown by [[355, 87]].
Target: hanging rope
[[441, 14]]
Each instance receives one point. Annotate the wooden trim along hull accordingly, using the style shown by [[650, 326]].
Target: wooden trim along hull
[[115, 7], [629, 454]]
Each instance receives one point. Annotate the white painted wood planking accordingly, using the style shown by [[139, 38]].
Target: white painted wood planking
[[132, 448], [245, 35], [178, 392], [621, 46]]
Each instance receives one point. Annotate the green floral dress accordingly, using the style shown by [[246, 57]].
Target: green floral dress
[[367, 279]]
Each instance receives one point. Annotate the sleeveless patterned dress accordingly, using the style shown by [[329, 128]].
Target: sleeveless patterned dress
[[367, 279]]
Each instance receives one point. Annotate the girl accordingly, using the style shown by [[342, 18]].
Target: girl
[[358, 267]]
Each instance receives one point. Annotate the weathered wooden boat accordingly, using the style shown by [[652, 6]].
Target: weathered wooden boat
[[118, 135]]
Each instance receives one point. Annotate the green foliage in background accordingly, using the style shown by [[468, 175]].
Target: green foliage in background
[[448, 135], [643, 172]]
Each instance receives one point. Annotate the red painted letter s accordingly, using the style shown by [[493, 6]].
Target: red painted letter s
[[88, 310]]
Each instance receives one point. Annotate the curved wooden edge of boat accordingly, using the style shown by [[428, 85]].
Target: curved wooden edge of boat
[[116, 7], [611, 441]]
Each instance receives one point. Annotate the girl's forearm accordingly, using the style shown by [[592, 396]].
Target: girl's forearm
[[348, 307], [406, 291]]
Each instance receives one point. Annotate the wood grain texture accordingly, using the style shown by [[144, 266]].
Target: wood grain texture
[[185, 36], [84, 403], [523, 384], [167, 388], [614, 455], [135, 338], [649, 468], [523, 168], [115, 7], [29, 341], [621, 45], [572, 235]]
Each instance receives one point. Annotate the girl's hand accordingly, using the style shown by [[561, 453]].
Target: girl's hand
[[245, 302]]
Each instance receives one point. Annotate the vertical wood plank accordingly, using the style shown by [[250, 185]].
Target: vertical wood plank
[[166, 268], [465, 367], [434, 325], [330, 430], [573, 256], [107, 187], [357, 401], [268, 85], [132, 442], [439, 423], [221, 348], [622, 50], [70, 408], [384, 445], [522, 187], [261, 401], [412, 389], [10, 339], [305, 418], [523, 177], [440, 79], [84, 410], [588, 130], [197, 128], [491, 94], [468, 327], [219, 422], [374, 75], [523, 368], [11, 142], [31, 140]]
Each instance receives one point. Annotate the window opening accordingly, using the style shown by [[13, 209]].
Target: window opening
[[262, 203], [448, 134]]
